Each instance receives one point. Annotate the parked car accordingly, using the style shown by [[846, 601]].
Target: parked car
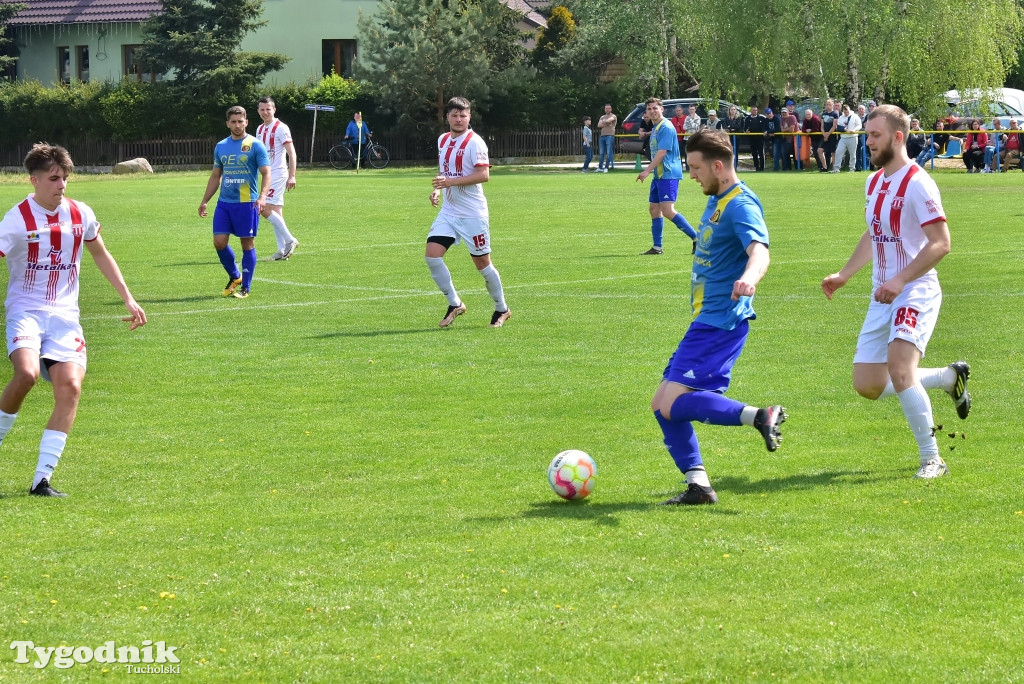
[[631, 124]]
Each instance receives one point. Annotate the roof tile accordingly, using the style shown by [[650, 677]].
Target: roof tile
[[41, 12]]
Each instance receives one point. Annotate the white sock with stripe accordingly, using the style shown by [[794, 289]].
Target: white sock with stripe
[[493, 282], [281, 233], [443, 277]]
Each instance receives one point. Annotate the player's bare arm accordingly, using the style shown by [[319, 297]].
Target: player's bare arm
[[658, 157], [212, 186], [435, 197], [481, 174], [261, 201], [292, 161], [108, 267], [861, 256], [757, 266], [929, 257]]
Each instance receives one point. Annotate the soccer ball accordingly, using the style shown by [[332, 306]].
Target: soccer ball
[[572, 474]]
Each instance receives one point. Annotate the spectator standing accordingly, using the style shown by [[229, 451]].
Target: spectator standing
[[644, 133], [758, 124], [790, 125], [829, 134], [774, 127], [862, 162], [588, 144], [714, 123], [812, 127], [850, 124], [606, 127]]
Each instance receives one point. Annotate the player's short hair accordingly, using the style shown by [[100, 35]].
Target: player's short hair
[[235, 111], [266, 99], [713, 144], [43, 156], [654, 100], [459, 103], [895, 118]]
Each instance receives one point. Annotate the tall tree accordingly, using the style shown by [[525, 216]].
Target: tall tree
[[198, 40], [6, 12], [419, 53]]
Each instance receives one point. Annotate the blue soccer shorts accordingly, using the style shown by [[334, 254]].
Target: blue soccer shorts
[[705, 357], [236, 218], [664, 190]]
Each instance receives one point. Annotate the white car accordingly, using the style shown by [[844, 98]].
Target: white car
[[1007, 101]]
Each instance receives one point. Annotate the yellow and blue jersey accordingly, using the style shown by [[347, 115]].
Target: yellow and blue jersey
[[664, 137], [731, 221], [240, 162]]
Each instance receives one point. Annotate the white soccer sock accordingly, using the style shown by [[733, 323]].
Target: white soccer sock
[[930, 378], [51, 446], [280, 230], [697, 476], [443, 277], [493, 282], [6, 423], [748, 414], [937, 378], [918, 410]]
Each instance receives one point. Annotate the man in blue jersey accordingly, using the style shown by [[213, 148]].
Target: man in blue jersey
[[667, 168], [730, 259], [237, 161]]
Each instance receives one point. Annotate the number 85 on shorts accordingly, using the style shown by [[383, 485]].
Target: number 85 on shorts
[[475, 232], [911, 317]]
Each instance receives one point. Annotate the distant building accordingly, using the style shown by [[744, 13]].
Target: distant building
[[57, 41]]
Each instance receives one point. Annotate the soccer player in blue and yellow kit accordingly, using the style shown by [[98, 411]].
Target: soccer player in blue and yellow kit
[[730, 258], [667, 168], [237, 161]]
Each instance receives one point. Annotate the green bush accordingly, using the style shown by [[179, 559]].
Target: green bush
[[32, 112]]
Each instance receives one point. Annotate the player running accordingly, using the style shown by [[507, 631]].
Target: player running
[[277, 138], [41, 239], [731, 258], [667, 168], [237, 160], [464, 165], [906, 238]]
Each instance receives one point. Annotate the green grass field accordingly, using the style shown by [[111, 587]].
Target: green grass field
[[317, 484]]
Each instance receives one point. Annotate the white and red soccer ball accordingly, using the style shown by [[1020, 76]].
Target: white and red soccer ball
[[572, 474]]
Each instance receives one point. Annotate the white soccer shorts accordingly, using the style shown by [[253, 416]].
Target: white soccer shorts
[[278, 182], [52, 336], [476, 232], [911, 317]]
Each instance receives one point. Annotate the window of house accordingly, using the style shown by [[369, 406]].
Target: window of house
[[64, 64], [130, 60], [339, 56], [83, 63]]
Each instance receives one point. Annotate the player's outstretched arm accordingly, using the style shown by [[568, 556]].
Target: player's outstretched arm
[[861, 256], [757, 266], [108, 267], [211, 189], [658, 158]]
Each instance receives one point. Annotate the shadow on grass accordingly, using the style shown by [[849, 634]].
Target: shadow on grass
[[374, 333], [744, 485], [597, 512]]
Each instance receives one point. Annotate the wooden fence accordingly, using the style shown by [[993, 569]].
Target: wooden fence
[[171, 151]]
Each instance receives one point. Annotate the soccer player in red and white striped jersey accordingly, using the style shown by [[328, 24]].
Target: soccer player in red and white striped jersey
[[907, 236], [464, 166], [277, 138], [41, 240]]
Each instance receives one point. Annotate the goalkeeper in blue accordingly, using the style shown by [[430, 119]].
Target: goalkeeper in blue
[[666, 169], [730, 259]]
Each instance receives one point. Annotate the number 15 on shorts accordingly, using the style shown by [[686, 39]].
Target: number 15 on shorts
[[480, 241]]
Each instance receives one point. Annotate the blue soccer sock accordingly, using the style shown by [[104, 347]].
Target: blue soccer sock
[[681, 441], [248, 266], [684, 225], [657, 229], [707, 407], [227, 260]]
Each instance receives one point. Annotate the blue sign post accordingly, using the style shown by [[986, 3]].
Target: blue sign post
[[316, 108]]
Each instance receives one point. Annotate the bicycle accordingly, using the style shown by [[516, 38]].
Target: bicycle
[[342, 156]]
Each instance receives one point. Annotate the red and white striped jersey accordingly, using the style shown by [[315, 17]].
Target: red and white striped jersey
[[462, 156], [44, 255], [274, 136], [897, 208]]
